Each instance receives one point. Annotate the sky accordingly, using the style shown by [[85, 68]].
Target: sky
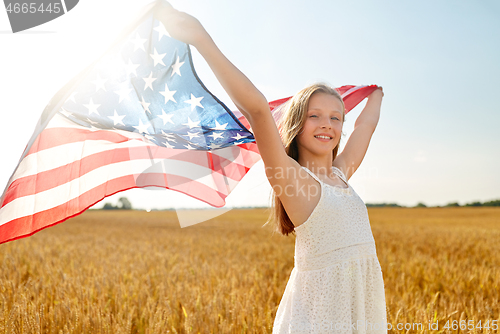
[[437, 140]]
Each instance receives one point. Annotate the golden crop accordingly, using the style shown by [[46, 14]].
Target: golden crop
[[137, 272]]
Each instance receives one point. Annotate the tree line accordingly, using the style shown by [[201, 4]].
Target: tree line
[[422, 205], [123, 204]]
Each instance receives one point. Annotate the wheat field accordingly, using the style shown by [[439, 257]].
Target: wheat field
[[138, 272]]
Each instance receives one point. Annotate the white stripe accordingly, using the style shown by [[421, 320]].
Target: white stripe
[[61, 155], [352, 90], [28, 205], [237, 155], [60, 121], [58, 156], [64, 154]]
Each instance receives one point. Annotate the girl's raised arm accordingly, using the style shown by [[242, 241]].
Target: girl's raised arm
[[185, 28], [355, 149], [247, 98]]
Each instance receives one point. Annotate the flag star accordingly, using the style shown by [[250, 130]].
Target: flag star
[[191, 124], [168, 145], [92, 122], [145, 105], [219, 126], [168, 136], [130, 67], [177, 67], [142, 128], [213, 146], [216, 135], [161, 31], [169, 94], [65, 112], [166, 117], [99, 83], [149, 137], [238, 136], [158, 58], [117, 119], [124, 94], [92, 107], [72, 97], [149, 81], [194, 102], [190, 147], [138, 42], [192, 135]]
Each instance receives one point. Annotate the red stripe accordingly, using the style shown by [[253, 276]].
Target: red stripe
[[33, 184], [252, 147], [275, 103], [53, 137], [350, 101], [29, 225], [354, 98]]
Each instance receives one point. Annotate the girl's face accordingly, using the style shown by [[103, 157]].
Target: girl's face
[[324, 117]]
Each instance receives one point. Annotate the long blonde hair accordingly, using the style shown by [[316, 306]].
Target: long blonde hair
[[290, 124]]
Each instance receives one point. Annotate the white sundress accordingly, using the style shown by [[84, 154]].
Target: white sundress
[[336, 285]]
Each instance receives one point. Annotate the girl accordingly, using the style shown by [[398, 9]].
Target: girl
[[336, 285]]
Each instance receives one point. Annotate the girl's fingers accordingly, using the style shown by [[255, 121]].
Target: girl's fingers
[[166, 4]]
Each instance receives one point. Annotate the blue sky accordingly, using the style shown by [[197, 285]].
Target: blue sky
[[438, 61]]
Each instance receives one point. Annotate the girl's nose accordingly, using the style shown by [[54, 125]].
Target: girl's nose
[[327, 123]]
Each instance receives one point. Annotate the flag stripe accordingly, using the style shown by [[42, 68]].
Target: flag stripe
[[54, 137], [61, 143], [23, 226], [42, 181], [175, 171], [65, 154], [353, 95]]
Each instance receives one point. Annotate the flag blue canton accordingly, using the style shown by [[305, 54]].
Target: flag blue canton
[[147, 84]]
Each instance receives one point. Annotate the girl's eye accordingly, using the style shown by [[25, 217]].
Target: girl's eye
[[317, 116]]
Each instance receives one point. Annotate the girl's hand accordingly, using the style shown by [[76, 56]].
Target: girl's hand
[[378, 91], [181, 26]]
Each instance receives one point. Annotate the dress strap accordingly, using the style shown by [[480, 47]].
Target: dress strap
[[337, 171], [312, 174], [339, 174]]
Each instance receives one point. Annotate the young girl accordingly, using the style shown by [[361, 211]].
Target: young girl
[[336, 285]]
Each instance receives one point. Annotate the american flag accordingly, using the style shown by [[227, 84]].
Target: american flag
[[137, 117]]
